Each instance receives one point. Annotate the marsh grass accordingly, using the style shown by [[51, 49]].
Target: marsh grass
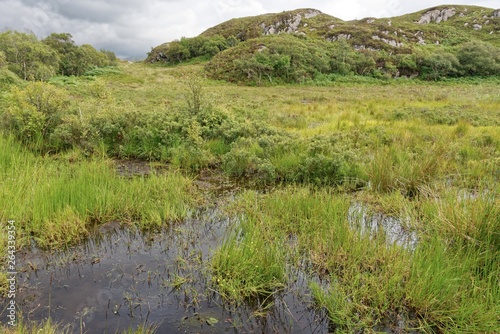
[[58, 202], [249, 265], [448, 283]]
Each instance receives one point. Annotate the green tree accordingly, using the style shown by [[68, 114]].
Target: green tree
[[435, 66], [64, 45], [74, 59], [407, 64], [479, 59], [214, 45], [341, 55], [27, 57]]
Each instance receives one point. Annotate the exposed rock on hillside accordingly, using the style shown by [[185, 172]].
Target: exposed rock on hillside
[[288, 24], [437, 16]]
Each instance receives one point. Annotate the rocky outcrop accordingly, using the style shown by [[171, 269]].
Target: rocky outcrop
[[391, 42], [339, 37], [437, 15], [289, 25], [496, 13]]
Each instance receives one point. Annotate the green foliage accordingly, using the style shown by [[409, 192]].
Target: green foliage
[[76, 60], [479, 59], [282, 58], [32, 59], [35, 111], [185, 49], [435, 66], [27, 57]]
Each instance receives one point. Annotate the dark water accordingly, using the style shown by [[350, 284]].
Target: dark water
[[124, 278]]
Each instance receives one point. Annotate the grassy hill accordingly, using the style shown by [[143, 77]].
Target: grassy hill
[[292, 46], [447, 25]]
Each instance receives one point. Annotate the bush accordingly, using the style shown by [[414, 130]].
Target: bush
[[479, 59], [36, 111]]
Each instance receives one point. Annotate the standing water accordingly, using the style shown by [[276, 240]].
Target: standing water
[[124, 278]]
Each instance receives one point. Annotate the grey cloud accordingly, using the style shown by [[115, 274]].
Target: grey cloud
[[132, 27]]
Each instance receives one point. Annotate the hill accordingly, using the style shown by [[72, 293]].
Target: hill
[[443, 30], [448, 25]]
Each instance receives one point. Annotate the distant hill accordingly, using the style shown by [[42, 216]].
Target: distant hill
[[445, 26], [449, 25]]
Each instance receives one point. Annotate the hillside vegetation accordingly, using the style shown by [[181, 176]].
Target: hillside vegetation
[[305, 44]]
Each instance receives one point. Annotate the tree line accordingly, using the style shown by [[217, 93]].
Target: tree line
[[33, 59]]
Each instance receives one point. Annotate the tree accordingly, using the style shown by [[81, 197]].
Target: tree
[[339, 62], [479, 58], [27, 57], [64, 45], [438, 65], [74, 59]]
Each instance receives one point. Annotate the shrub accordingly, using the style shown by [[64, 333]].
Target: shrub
[[479, 59], [36, 111]]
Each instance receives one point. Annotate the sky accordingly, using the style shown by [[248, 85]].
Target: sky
[[131, 28]]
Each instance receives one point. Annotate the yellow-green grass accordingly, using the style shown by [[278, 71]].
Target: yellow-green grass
[[57, 202], [448, 283]]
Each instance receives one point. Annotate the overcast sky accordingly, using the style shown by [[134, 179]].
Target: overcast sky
[[131, 27]]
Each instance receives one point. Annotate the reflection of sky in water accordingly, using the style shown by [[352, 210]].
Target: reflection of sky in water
[[126, 278], [374, 223]]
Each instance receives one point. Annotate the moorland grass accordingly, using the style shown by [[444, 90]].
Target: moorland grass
[[57, 202], [448, 283]]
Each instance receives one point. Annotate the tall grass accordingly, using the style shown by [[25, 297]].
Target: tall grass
[[249, 264], [449, 283], [58, 202]]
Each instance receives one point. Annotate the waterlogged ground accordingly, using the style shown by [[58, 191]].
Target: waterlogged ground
[[124, 278]]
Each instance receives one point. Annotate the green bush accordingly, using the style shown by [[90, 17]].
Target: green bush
[[35, 111], [479, 59]]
